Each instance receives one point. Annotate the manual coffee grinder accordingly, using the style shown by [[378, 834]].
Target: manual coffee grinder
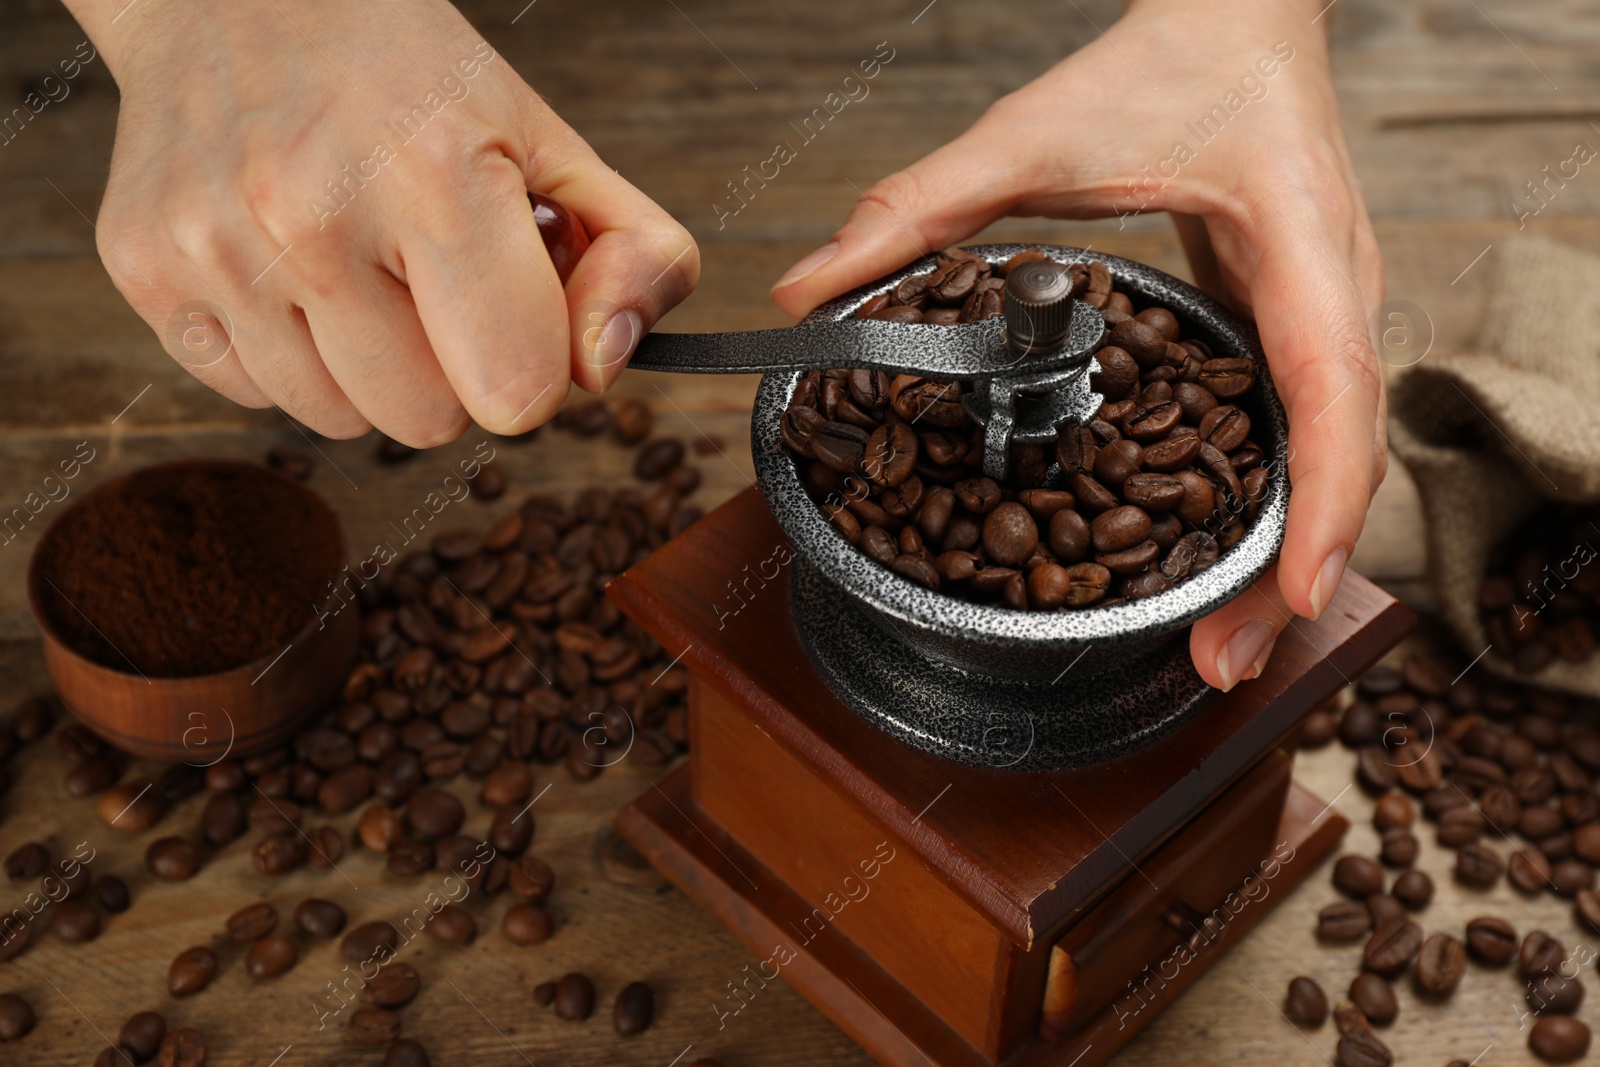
[[969, 835]]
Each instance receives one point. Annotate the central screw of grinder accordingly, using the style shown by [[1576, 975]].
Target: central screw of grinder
[[1038, 307]]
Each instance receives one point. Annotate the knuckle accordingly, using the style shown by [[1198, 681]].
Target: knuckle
[[899, 195]]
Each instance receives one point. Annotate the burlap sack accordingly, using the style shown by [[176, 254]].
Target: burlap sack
[[1488, 434]]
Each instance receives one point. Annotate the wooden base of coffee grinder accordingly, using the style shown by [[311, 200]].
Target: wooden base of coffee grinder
[[959, 915]]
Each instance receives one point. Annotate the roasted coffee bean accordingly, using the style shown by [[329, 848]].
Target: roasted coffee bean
[[1559, 1039], [380, 828], [1385, 909], [394, 986], [191, 971], [1414, 889], [1460, 826], [1570, 877], [223, 819], [111, 893], [1374, 770], [142, 1034], [634, 1009], [1306, 1004], [544, 994], [1357, 876], [1393, 812], [131, 808], [252, 923], [319, 918], [270, 957], [75, 921], [1360, 1048], [182, 1048], [1343, 921], [91, 776], [1375, 997], [370, 941], [453, 925], [172, 859], [406, 1053], [16, 1017], [410, 859], [433, 813], [1399, 848], [531, 879], [574, 996], [1478, 866], [1554, 994], [374, 1026], [27, 862], [1540, 954], [324, 846], [1491, 941], [1440, 964], [526, 924], [1390, 949], [278, 854], [115, 1056], [1587, 907]]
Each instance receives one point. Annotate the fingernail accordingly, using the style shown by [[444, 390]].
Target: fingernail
[[809, 264], [1327, 581], [1245, 647], [609, 352], [1261, 661]]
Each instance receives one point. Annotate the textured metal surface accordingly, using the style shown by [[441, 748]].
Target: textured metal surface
[[997, 644], [1022, 726], [970, 350]]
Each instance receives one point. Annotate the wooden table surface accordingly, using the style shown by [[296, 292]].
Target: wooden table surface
[[1451, 106]]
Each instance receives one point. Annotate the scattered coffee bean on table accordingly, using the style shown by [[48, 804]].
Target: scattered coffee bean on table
[[1375, 997], [115, 1056], [16, 1017], [319, 918], [142, 1033], [394, 986], [634, 1009], [1491, 941], [191, 971], [182, 1048], [406, 1053], [1531, 616], [374, 1026], [270, 956], [1559, 1039], [1441, 962], [1152, 491], [1361, 1048], [253, 922], [574, 996], [1306, 1003]]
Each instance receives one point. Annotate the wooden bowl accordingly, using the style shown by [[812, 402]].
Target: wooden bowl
[[204, 718]]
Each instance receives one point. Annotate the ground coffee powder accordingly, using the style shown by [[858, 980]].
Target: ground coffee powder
[[187, 569]]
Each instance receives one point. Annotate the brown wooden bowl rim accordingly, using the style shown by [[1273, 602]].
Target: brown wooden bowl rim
[[55, 639]]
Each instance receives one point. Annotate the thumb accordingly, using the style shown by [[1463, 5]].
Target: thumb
[[943, 198]]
